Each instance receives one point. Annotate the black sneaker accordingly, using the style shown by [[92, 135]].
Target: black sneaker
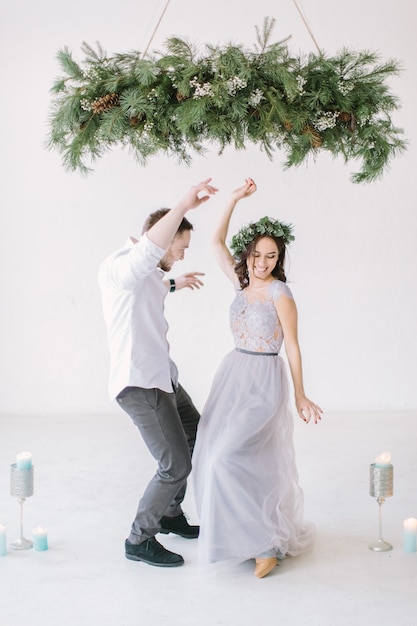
[[179, 526], [151, 552]]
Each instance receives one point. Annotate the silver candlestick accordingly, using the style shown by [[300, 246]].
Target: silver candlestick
[[381, 487], [21, 487]]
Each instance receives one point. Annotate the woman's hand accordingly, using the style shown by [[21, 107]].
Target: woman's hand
[[245, 191], [308, 410], [189, 280]]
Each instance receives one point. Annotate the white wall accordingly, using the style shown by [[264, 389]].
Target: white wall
[[353, 264]]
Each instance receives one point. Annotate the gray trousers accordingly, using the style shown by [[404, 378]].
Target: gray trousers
[[168, 425]]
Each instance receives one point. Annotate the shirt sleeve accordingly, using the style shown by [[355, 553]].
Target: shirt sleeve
[[124, 268]]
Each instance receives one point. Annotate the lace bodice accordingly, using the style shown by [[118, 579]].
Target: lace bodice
[[254, 320]]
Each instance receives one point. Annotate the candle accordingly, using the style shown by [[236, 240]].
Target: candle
[[3, 548], [24, 460], [410, 534], [383, 460], [40, 539]]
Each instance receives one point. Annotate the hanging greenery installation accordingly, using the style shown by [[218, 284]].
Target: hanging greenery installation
[[181, 102]]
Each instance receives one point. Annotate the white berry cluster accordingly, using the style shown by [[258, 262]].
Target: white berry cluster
[[200, 89], [301, 81], [256, 97], [235, 84], [345, 86], [86, 105], [326, 119]]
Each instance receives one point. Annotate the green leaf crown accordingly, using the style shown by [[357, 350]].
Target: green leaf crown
[[266, 226]]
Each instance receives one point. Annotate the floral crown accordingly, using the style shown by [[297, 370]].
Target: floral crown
[[266, 226]]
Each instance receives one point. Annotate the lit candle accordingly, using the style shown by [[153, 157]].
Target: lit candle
[[3, 548], [383, 460], [24, 460], [40, 539], [410, 534]]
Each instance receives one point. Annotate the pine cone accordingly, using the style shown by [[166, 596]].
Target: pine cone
[[109, 101], [180, 96], [315, 137], [287, 125], [344, 116]]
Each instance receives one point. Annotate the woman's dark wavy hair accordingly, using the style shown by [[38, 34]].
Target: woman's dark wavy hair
[[241, 267]]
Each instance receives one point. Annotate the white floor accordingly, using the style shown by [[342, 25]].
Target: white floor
[[89, 473]]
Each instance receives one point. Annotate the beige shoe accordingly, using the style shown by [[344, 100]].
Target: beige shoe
[[264, 566]]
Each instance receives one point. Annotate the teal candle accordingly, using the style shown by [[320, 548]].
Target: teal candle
[[410, 535], [24, 460], [3, 549], [40, 539]]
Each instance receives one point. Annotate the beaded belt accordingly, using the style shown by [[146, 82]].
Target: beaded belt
[[257, 353]]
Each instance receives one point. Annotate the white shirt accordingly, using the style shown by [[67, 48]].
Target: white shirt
[[133, 296]]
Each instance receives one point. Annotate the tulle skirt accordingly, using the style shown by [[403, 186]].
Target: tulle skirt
[[244, 472]]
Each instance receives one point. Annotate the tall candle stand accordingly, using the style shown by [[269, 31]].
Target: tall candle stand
[[381, 487], [21, 487]]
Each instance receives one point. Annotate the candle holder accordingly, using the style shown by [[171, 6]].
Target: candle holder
[[21, 487], [381, 487]]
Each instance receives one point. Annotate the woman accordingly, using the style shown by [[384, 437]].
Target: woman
[[245, 477]]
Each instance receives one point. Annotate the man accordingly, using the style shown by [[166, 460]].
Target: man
[[143, 378]]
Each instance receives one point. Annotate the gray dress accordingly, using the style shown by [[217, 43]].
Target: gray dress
[[245, 477]]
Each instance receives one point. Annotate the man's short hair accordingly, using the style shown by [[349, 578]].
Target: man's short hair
[[157, 215]]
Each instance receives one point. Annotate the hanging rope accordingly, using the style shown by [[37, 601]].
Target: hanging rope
[[155, 29], [307, 26]]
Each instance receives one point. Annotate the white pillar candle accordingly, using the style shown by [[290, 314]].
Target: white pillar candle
[[410, 534], [383, 460], [3, 548], [24, 460]]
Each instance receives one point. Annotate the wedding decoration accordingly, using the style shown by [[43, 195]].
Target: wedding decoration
[[264, 226], [182, 101], [21, 487], [381, 486]]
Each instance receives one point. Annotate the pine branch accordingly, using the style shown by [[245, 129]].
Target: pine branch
[[264, 36], [93, 56], [181, 48], [67, 63]]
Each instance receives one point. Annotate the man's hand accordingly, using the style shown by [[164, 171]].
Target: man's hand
[[193, 197], [189, 280], [165, 229]]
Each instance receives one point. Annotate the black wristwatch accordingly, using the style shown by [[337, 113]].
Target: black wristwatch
[[172, 285]]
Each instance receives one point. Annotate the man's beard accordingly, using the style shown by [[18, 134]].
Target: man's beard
[[165, 265]]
